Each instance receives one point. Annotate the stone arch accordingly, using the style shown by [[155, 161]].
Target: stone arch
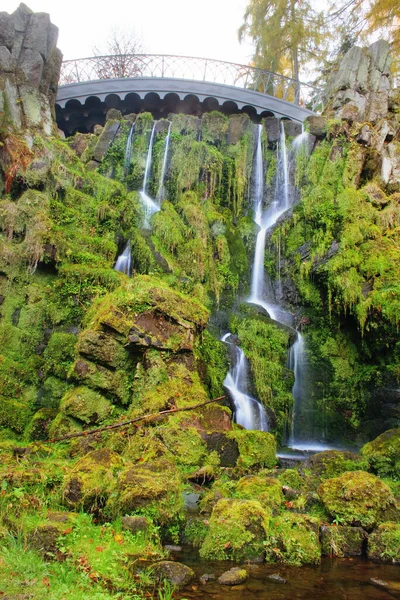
[[230, 107], [191, 105], [112, 101], [210, 103], [132, 103]]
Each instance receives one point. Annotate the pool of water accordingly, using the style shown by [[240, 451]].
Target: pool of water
[[339, 579]]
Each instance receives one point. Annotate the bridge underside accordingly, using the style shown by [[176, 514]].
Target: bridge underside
[[80, 106]]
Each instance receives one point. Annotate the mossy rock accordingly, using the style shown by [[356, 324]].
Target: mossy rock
[[185, 444], [38, 428], [293, 479], [359, 499], [86, 405], [99, 347], [63, 425], [44, 539], [294, 540], [150, 488], [96, 376], [14, 414], [236, 532], [340, 541], [174, 572], [226, 447], [384, 543], [92, 480], [383, 454], [332, 463], [266, 490], [257, 448]]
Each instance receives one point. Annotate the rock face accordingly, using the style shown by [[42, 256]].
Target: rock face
[[361, 92], [29, 68]]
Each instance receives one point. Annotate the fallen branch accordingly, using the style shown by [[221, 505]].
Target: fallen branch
[[132, 421]]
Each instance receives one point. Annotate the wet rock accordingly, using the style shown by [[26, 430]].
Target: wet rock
[[234, 576], [341, 541], [388, 585], [384, 543], [238, 125], [226, 448], [135, 524], [276, 578], [206, 578], [272, 127], [175, 572]]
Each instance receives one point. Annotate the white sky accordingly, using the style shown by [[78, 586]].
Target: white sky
[[207, 28]]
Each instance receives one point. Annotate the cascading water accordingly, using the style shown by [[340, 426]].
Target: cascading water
[[150, 206], [128, 149], [161, 190], [249, 412], [261, 287], [124, 260]]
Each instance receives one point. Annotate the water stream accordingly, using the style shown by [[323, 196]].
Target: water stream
[[124, 260], [248, 412], [161, 190], [128, 149], [150, 207]]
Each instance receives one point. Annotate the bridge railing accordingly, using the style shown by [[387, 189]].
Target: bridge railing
[[187, 67]]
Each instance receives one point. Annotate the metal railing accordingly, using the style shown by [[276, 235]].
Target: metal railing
[[197, 69]]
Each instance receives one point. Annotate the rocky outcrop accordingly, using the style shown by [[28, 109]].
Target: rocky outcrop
[[361, 93], [29, 69]]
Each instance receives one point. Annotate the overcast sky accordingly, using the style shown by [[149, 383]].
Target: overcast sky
[[207, 28]]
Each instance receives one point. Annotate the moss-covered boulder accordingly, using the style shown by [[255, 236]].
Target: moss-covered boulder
[[359, 499], [340, 541], [332, 463], [174, 572], [114, 383], [92, 480], [256, 448], [102, 348], [38, 428], [63, 425], [234, 576], [384, 543], [294, 540], [153, 487], [266, 490], [146, 313], [383, 454], [237, 531], [86, 405]]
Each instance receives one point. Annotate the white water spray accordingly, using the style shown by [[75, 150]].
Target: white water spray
[[150, 206], [161, 190], [124, 260]]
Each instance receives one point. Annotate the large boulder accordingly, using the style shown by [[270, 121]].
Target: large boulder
[[294, 540], [266, 490], [176, 573], [341, 541], [383, 454], [359, 499], [237, 531]]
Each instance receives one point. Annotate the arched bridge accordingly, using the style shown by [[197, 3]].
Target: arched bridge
[[162, 84]]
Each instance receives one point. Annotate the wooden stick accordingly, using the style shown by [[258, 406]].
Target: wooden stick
[[133, 421]]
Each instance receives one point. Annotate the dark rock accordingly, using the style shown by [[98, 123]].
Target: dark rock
[[206, 578], [276, 578], [44, 540], [292, 129], [237, 127], [234, 576], [272, 127], [226, 448], [135, 524], [175, 572], [341, 541], [7, 31]]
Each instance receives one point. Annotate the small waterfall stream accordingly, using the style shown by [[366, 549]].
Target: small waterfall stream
[[128, 149], [150, 206], [248, 412], [161, 190], [124, 260]]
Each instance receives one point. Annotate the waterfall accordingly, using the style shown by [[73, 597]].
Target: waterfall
[[300, 139], [285, 167], [128, 149], [150, 207], [161, 190], [124, 260], [249, 412]]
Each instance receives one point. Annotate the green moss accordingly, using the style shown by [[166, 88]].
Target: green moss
[[86, 405], [256, 448], [266, 490], [358, 498], [293, 540], [383, 454], [14, 414], [59, 354], [341, 541], [38, 428], [332, 463], [212, 354], [236, 532], [384, 543]]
